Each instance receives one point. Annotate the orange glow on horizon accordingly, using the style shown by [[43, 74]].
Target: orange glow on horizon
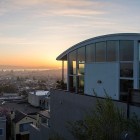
[[32, 63]]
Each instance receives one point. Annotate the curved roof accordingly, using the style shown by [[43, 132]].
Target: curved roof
[[118, 36]]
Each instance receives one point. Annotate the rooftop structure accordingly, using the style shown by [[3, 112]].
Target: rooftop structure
[[35, 98], [40, 93]]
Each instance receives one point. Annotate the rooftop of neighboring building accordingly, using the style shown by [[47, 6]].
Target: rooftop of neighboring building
[[45, 113], [18, 116], [40, 93], [23, 107]]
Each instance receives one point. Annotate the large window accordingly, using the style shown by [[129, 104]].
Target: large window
[[112, 50], [126, 50], [72, 83], [81, 60], [125, 85], [72, 63], [1, 131], [120, 51], [81, 55], [76, 70], [90, 53], [81, 68], [139, 59], [81, 84], [101, 52], [126, 69]]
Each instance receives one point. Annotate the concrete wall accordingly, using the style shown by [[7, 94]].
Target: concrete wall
[[3, 126], [68, 107], [33, 99], [41, 133]]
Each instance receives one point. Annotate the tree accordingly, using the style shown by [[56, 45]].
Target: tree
[[61, 85]]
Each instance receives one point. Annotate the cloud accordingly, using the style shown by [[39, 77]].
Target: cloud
[[11, 40], [76, 3], [80, 12], [2, 11], [13, 5]]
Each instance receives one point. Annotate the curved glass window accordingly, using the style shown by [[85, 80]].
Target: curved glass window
[[81, 84], [72, 63], [101, 52], [90, 53], [81, 55], [126, 50], [139, 59], [81, 69], [112, 50]]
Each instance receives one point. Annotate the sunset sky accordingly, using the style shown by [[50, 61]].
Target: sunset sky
[[34, 32]]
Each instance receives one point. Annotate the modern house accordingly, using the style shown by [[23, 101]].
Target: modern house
[[108, 64]]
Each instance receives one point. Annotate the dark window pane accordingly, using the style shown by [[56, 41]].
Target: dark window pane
[[1, 132], [24, 127], [81, 69], [101, 52], [81, 55], [81, 84], [139, 59], [139, 69], [139, 51], [72, 83], [126, 50], [90, 53], [72, 62], [112, 50], [125, 85], [126, 70]]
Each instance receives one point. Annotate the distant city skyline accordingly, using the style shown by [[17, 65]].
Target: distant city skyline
[[34, 32]]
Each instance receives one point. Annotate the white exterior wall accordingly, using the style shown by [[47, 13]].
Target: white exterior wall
[[108, 74], [34, 99]]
